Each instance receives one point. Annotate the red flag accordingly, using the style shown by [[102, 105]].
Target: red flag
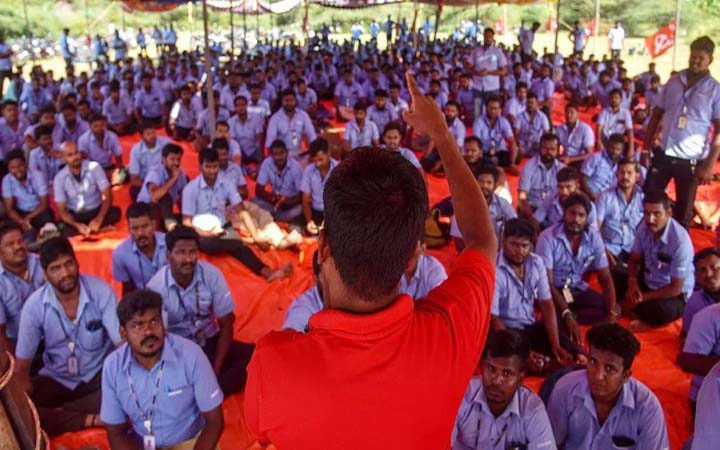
[[551, 24], [661, 41], [499, 26], [591, 27]]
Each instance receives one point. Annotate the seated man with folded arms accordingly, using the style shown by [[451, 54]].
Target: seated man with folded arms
[[707, 432], [603, 406], [20, 276], [707, 275], [600, 168], [139, 256], [210, 197], [521, 284], [144, 155], [370, 339], [158, 388], [74, 315], [498, 411], [163, 186], [312, 185], [83, 195], [25, 193], [283, 175], [576, 137], [569, 249], [550, 210], [660, 272], [500, 210], [538, 180], [198, 306]]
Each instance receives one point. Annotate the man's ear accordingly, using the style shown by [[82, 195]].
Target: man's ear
[[323, 247], [123, 333]]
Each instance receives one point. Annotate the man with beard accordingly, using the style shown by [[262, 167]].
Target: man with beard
[[660, 273], [83, 196], [529, 127], [137, 258], [284, 175], [500, 209], [161, 383], [290, 125], [20, 276], [210, 203], [431, 159], [25, 197], [569, 249], [498, 411], [74, 315], [163, 186], [361, 132], [101, 145], [496, 135], [144, 155], [600, 168], [707, 273], [521, 283], [603, 406], [312, 185], [199, 306], [538, 180], [686, 110], [69, 126], [550, 210], [380, 113]]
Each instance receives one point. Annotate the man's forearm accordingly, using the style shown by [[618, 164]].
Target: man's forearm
[[307, 208], [210, 435], [120, 439], [697, 364], [549, 317], [224, 341], [608, 289]]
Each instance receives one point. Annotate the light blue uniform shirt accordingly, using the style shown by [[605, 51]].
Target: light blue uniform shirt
[[313, 183], [130, 264], [514, 299], [410, 156], [530, 130], [348, 95], [524, 422], [199, 198], [15, 290], [290, 130], [554, 248], [614, 121], [493, 136], [600, 171], [575, 141], [306, 100], [246, 133], [158, 175], [203, 121], [490, 58], [100, 152], [187, 389], [285, 183], [381, 117], [83, 195], [142, 157], [698, 301], [500, 212], [669, 257], [149, 103], [636, 415], [61, 132], [358, 137], [12, 139], [707, 432], [514, 107], [94, 332], [701, 104], [185, 117], [206, 298], [49, 166], [602, 93], [538, 181], [459, 132], [119, 112], [544, 88], [27, 196], [234, 174], [703, 338], [550, 212], [429, 274], [619, 218]]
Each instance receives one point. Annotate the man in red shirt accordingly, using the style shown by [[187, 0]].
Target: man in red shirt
[[376, 370]]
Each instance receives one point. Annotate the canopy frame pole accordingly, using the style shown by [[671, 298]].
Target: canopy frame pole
[[232, 31], [27, 19], [557, 25], [208, 73], [596, 26], [244, 46], [438, 14], [676, 35]]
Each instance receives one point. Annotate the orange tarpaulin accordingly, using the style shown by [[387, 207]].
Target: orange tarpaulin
[[261, 307]]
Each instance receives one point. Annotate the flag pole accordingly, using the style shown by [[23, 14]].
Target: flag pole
[[208, 73], [676, 39], [596, 26], [557, 26]]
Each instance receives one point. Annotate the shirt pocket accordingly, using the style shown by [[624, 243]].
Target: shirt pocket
[[178, 401], [91, 336]]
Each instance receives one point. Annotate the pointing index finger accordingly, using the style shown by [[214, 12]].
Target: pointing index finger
[[412, 85]]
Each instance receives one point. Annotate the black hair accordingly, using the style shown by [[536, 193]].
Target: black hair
[[616, 138], [138, 210], [519, 228], [222, 123], [549, 137], [9, 102], [657, 198], [508, 343], [14, 154], [625, 161], [375, 209], [453, 103], [360, 106], [180, 233], [239, 97], [220, 144], [278, 143], [474, 139], [613, 338], [394, 125], [521, 84], [286, 93], [53, 249], [577, 198], [568, 173], [114, 85], [381, 93], [489, 171], [137, 302], [8, 226], [42, 130], [319, 145], [171, 148], [615, 91], [699, 256], [494, 98], [208, 154], [704, 44], [95, 117]]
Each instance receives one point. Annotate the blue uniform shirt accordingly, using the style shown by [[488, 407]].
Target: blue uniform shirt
[[703, 338], [538, 181], [94, 332], [187, 389], [83, 195], [636, 415], [142, 157], [575, 141], [348, 95], [302, 308], [514, 299], [130, 264], [669, 257], [707, 432], [150, 103], [246, 133], [698, 301], [524, 421], [100, 152], [199, 198], [500, 212], [116, 113], [554, 248], [530, 130], [15, 290], [619, 218], [600, 171], [493, 136], [313, 183], [158, 175], [196, 307], [381, 117], [285, 183], [361, 137], [48, 165], [614, 121], [290, 130], [550, 212], [27, 196]]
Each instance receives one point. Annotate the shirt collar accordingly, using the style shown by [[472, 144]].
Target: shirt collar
[[626, 399], [167, 355], [197, 277], [51, 298], [513, 408], [159, 245]]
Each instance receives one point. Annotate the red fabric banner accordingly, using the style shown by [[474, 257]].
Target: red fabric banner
[[551, 24], [661, 41], [499, 26]]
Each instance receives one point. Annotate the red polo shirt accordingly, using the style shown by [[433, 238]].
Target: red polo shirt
[[393, 379]]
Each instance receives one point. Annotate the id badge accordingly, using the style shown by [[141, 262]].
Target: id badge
[[73, 366], [149, 442], [682, 122], [200, 336], [567, 295]]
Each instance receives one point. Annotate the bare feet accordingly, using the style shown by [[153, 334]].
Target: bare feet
[[277, 274]]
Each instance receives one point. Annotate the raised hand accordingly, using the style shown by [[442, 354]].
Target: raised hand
[[424, 115]]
